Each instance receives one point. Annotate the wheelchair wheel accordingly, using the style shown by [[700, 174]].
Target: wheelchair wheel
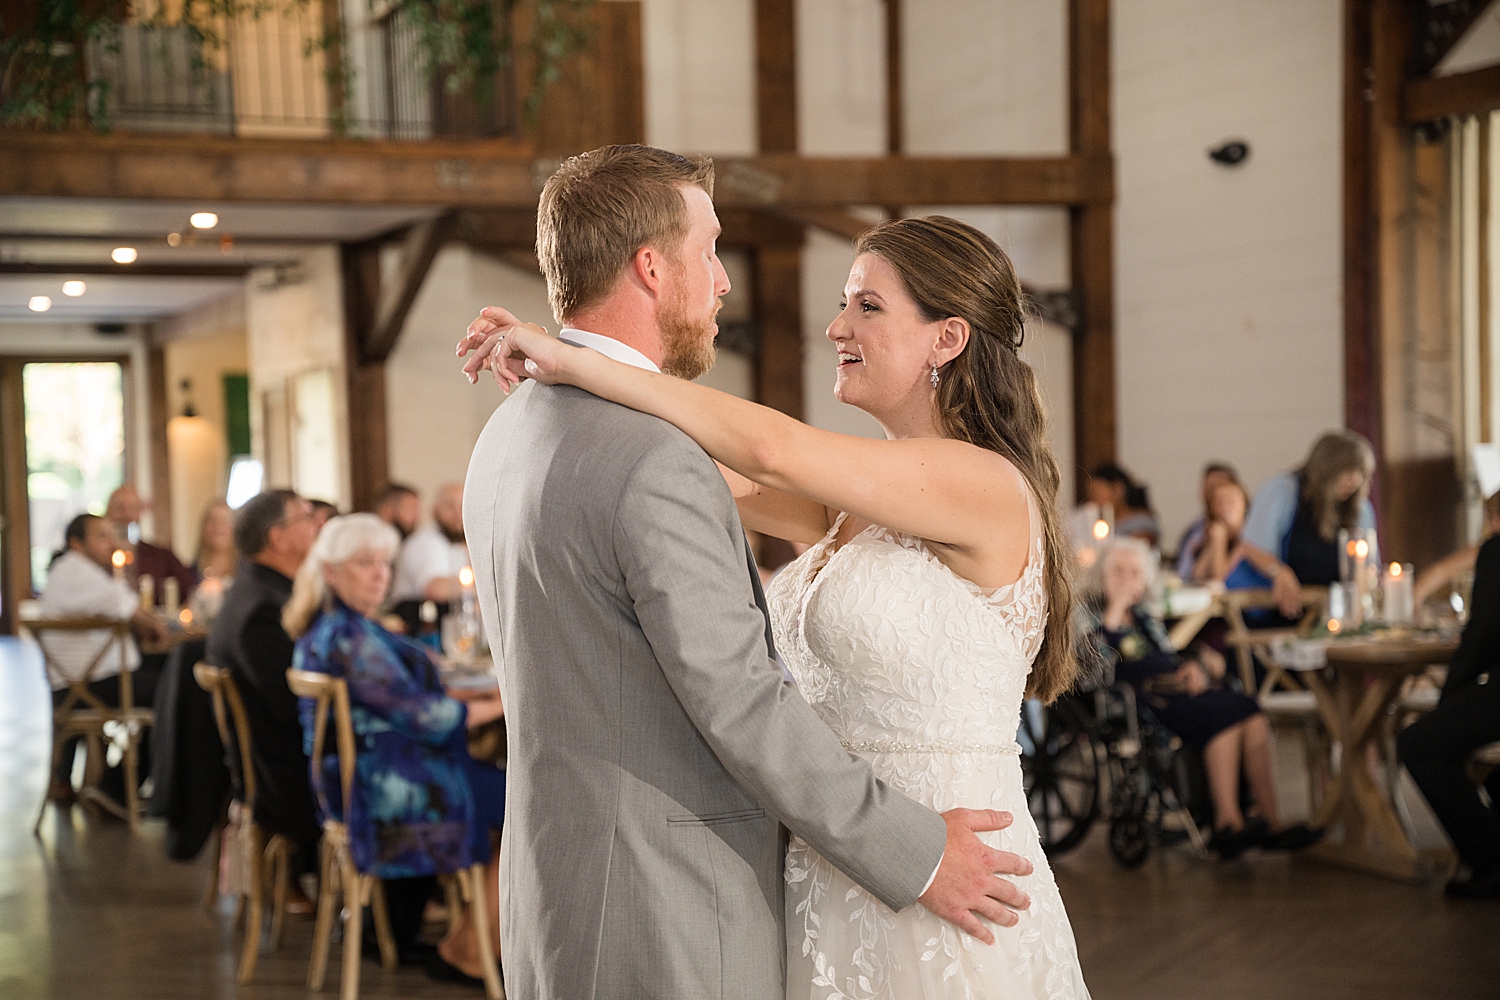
[[1062, 765], [1128, 841]]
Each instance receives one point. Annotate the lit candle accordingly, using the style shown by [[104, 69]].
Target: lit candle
[[1101, 529], [117, 560], [148, 590], [1396, 594], [170, 596]]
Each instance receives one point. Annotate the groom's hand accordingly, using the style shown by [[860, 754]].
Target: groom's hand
[[968, 883]]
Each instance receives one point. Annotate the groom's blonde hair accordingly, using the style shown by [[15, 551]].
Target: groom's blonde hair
[[600, 207]]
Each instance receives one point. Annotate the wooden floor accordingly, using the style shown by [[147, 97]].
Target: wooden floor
[[88, 911]]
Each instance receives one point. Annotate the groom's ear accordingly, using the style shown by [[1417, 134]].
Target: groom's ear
[[647, 267]]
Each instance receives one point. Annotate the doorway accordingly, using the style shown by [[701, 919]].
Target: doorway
[[64, 447]]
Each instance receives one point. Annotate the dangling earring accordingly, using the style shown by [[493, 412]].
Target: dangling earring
[[935, 377]]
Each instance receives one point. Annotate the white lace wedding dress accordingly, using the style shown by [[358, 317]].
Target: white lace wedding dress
[[923, 674]]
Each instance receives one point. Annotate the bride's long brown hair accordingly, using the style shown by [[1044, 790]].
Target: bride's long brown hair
[[987, 395]]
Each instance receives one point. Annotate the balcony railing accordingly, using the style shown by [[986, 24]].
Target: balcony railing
[[283, 74]]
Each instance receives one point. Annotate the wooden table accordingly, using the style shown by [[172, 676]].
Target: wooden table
[[1367, 676]]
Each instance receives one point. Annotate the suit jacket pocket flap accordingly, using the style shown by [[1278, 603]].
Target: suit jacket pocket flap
[[717, 819]]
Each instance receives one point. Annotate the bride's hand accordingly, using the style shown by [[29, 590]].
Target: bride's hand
[[527, 351], [482, 337]]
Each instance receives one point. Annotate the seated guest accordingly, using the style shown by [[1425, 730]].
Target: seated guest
[[399, 506], [1229, 729], [217, 556], [1298, 515], [124, 514], [1111, 485], [1224, 557], [274, 532], [422, 806], [1441, 575], [80, 584], [1214, 475], [1436, 748], [430, 558]]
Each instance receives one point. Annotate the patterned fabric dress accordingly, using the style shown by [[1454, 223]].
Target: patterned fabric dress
[[923, 674], [412, 803]]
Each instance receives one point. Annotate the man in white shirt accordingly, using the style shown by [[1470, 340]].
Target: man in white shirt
[[430, 559], [80, 585]]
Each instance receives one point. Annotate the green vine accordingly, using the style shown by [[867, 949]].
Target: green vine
[[45, 81]]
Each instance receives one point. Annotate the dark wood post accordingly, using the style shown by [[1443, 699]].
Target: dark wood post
[[1091, 231]]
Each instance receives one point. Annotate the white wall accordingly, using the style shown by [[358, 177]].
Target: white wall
[[1228, 316], [199, 452], [700, 75], [295, 328], [433, 415]]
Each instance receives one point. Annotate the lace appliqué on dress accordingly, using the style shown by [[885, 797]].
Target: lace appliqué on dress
[[894, 650]]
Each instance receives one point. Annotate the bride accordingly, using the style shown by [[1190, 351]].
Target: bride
[[934, 596]]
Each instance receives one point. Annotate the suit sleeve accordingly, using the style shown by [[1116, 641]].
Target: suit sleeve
[[1479, 649], [683, 560]]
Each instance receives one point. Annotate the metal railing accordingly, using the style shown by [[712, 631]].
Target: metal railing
[[283, 74]]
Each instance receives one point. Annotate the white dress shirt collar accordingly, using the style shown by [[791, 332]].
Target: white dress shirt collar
[[608, 346]]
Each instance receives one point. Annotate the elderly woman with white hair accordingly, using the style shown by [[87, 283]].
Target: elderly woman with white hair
[[421, 805], [1228, 728]]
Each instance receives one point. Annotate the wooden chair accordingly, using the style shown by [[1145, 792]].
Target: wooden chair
[[82, 713], [256, 861], [339, 874], [1287, 705]]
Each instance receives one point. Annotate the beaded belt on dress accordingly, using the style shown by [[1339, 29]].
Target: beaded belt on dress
[[890, 746]]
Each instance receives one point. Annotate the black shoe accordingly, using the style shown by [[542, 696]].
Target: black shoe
[[1293, 838], [1230, 844], [1486, 886], [440, 969]]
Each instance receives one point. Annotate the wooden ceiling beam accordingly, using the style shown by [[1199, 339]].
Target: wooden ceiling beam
[[504, 175], [130, 270], [1471, 93], [422, 244]]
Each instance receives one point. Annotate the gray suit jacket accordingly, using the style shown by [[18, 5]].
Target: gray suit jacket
[[654, 748]]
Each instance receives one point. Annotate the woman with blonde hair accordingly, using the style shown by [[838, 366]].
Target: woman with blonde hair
[[421, 805], [934, 596], [216, 556], [1298, 515]]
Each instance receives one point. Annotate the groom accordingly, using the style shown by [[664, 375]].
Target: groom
[[657, 757]]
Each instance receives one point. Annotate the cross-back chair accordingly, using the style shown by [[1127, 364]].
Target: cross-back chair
[[83, 713], [340, 877], [1287, 704], [256, 860]]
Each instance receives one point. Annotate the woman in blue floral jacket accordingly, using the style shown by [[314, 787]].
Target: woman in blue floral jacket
[[421, 806]]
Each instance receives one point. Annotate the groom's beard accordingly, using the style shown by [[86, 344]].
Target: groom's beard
[[687, 345]]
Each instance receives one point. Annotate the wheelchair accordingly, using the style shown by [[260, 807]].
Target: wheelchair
[[1096, 753]]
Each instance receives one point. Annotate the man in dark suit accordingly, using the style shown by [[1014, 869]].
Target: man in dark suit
[[274, 532], [1436, 749]]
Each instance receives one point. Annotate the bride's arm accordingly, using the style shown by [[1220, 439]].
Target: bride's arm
[[946, 491], [770, 512]]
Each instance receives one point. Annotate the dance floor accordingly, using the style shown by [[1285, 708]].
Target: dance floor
[[88, 910]]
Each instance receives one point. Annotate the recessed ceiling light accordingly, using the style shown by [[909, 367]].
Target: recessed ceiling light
[[174, 239], [73, 289], [203, 220], [39, 304], [123, 255]]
